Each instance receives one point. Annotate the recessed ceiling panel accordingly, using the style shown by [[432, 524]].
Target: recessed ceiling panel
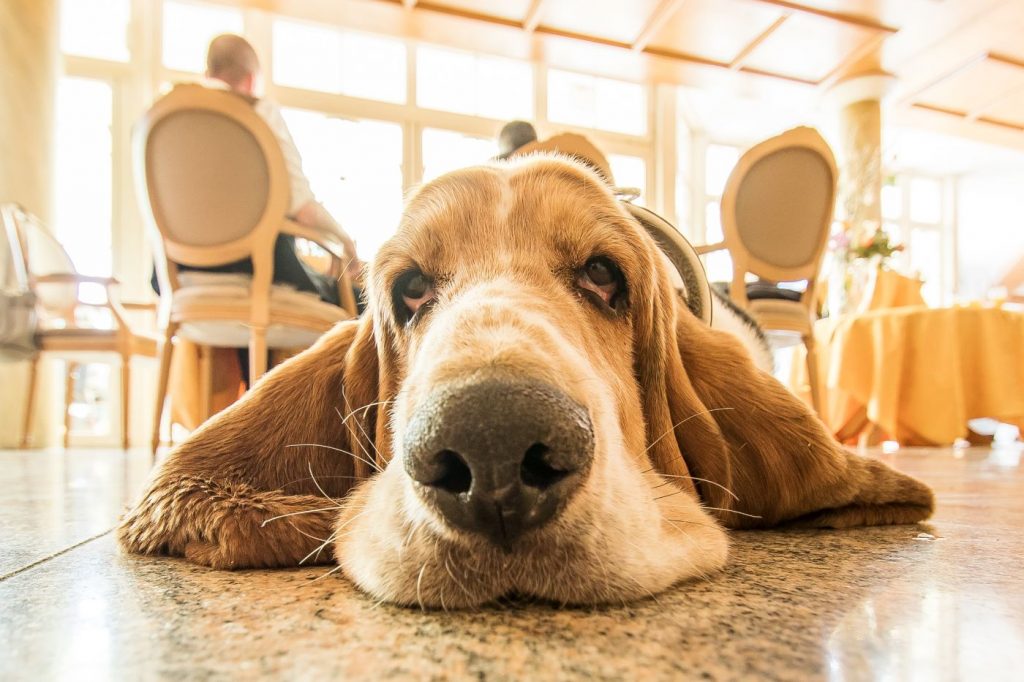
[[1009, 107], [611, 19], [504, 9], [714, 29], [977, 86], [808, 47]]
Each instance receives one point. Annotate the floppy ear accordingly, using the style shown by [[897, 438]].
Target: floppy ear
[[783, 465], [258, 484]]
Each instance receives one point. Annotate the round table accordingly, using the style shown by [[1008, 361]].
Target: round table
[[918, 374]]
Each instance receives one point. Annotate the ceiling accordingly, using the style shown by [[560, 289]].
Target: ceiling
[[957, 65]]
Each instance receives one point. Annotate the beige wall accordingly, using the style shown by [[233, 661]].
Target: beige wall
[[28, 77]]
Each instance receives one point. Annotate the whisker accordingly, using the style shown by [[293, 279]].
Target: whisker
[[304, 511], [306, 478], [692, 416], [733, 511], [673, 523], [695, 478], [309, 465], [333, 537], [362, 430], [333, 570], [331, 447], [302, 532], [419, 584]]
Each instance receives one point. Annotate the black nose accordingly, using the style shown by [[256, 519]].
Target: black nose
[[499, 456]]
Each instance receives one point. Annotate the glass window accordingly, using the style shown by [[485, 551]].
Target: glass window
[[84, 172], [446, 150], [717, 263], [322, 58], [892, 202], [188, 29], [719, 160], [925, 201], [926, 258], [95, 28], [630, 171], [355, 170], [466, 83], [90, 408], [593, 102]]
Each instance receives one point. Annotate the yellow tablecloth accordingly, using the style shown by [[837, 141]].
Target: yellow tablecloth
[[892, 290], [919, 374]]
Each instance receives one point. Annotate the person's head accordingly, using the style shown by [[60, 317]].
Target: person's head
[[513, 136], [231, 59]]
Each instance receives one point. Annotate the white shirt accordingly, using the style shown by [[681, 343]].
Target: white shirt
[[301, 192]]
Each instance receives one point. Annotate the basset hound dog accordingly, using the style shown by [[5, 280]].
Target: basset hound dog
[[527, 407]]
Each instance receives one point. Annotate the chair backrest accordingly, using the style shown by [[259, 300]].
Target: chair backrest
[[211, 180], [13, 268], [777, 208], [41, 254]]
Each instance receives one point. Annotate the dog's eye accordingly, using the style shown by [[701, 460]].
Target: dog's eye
[[601, 277], [416, 291]]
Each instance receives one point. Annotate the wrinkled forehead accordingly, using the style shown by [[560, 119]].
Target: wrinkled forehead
[[537, 210]]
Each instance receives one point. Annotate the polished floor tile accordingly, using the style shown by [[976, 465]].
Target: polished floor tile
[[933, 602], [52, 500]]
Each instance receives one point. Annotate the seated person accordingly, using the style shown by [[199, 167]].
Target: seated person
[[232, 64], [513, 136]]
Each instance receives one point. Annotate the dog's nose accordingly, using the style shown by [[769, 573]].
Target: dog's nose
[[499, 456]]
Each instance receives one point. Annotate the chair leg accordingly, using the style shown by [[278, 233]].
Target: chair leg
[[164, 354], [126, 383], [257, 354], [812, 375], [205, 382], [30, 402], [69, 394]]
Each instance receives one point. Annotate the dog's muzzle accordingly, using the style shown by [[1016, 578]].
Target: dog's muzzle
[[498, 456]]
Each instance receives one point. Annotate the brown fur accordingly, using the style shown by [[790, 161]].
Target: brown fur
[[672, 393]]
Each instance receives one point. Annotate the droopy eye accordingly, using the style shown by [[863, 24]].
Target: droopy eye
[[416, 290], [603, 278]]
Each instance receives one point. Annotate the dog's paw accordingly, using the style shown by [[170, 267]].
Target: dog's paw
[[227, 526]]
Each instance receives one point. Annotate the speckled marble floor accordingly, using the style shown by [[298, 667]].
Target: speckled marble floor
[[936, 602]]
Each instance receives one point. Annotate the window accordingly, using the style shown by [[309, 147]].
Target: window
[[719, 160], [446, 150], [188, 29], [593, 102], [324, 59], [95, 28], [84, 173], [91, 400], [914, 215], [925, 200], [466, 83], [718, 264], [630, 171], [925, 251], [355, 170]]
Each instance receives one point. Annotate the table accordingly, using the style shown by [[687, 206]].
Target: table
[[918, 374]]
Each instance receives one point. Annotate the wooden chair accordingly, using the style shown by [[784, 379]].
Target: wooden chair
[[776, 215], [63, 329], [214, 189]]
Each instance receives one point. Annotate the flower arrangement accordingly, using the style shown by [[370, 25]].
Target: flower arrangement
[[877, 242], [866, 240]]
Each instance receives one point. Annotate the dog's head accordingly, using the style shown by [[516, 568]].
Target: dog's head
[[552, 420], [528, 407]]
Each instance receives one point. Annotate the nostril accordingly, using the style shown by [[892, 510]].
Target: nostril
[[455, 476], [536, 471]]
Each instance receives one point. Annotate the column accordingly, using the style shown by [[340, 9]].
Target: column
[[28, 81]]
